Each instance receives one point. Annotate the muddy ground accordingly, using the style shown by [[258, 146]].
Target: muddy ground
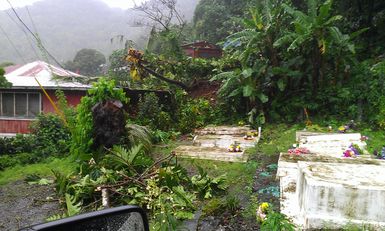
[[23, 204]]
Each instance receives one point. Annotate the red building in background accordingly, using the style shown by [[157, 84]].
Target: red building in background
[[20, 104], [202, 49]]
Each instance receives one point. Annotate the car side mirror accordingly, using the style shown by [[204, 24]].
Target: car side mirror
[[124, 218]]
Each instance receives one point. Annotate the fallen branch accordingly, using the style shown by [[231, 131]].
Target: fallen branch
[[161, 77], [156, 163]]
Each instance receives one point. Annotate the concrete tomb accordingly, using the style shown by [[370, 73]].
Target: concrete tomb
[[330, 191]]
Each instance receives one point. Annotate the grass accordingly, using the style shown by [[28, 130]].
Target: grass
[[43, 169], [277, 138], [376, 139]]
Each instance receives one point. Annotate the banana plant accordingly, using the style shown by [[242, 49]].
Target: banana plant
[[316, 33], [254, 46]]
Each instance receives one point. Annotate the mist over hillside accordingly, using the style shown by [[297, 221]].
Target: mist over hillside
[[66, 26]]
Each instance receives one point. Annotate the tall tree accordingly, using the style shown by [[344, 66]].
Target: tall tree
[[87, 62], [214, 20], [3, 81]]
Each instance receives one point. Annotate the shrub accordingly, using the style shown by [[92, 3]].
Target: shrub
[[194, 113], [18, 144], [51, 136], [7, 161], [152, 114]]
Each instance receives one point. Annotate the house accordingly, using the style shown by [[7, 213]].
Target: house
[[20, 104], [202, 49]]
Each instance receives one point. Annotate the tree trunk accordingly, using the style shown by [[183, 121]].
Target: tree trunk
[[316, 59], [161, 77]]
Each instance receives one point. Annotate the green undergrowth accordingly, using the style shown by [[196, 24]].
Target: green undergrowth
[[376, 139], [43, 169], [277, 138]]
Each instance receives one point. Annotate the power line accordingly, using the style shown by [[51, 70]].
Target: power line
[[34, 35], [30, 18], [12, 44], [25, 33]]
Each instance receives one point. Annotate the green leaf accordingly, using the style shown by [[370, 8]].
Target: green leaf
[[72, 207], [45, 181], [284, 40], [333, 19], [236, 92], [358, 33], [247, 72], [248, 91], [351, 48], [263, 97], [324, 10], [281, 84], [183, 215]]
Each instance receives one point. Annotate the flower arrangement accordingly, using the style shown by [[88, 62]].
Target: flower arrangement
[[235, 147], [262, 211], [343, 129], [349, 153], [364, 138], [298, 151], [250, 135], [352, 151]]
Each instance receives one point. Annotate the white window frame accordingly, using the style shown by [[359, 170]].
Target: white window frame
[[14, 117]]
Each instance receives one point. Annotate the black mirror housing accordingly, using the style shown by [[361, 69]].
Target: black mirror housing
[[124, 218]]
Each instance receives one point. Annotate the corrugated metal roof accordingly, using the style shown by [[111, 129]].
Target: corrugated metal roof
[[48, 75]]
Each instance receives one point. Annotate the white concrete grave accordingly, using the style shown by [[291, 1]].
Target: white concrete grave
[[327, 190], [333, 144], [212, 143], [333, 195]]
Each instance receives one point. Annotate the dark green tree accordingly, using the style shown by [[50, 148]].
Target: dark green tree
[[6, 64], [3, 80], [214, 20], [118, 69], [87, 62]]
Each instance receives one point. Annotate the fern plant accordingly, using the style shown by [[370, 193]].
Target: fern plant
[[133, 159], [73, 208]]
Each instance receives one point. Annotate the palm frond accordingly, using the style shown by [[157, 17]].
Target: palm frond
[[126, 157], [139, 135]]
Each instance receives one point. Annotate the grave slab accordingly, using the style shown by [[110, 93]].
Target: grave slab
[[335, 194], [331, 144], [304, 180], [223, 141], [212, 143], [210, 153]]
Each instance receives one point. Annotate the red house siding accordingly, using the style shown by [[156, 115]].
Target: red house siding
[[73, 99], [9, 125], [202, 49], [14, 126]]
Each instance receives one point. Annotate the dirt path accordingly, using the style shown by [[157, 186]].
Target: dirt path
[[22, 205]]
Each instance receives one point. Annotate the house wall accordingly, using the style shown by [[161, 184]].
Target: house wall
[[10, 125], [14, 126], [73, 99], [203, 52]]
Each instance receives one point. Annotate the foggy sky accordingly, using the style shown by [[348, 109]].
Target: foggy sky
[[124, 4]]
